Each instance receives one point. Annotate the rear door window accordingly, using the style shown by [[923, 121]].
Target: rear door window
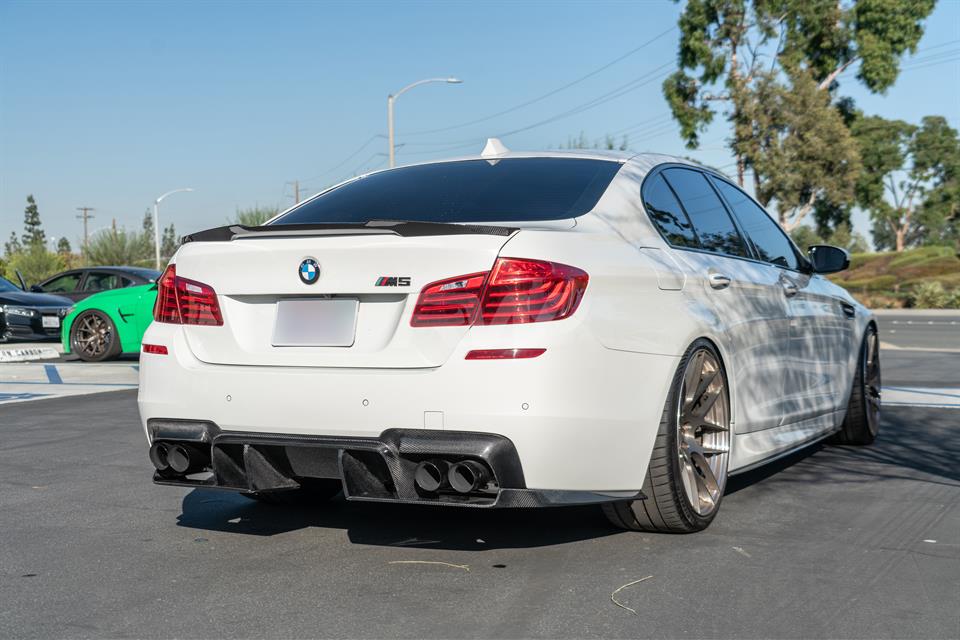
[[66, 283], [101, 281], [666, 213], [769, 241], [512, 189], [703, 206]]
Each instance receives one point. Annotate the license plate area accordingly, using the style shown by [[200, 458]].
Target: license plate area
[[50, 322], [315, 322]]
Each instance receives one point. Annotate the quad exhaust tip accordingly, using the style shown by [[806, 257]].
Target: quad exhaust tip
[[464, 477], [178, 459], [431, 475], [159, 453], [467, 476]]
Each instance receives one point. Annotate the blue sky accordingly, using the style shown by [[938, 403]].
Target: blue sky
[[108, 105]]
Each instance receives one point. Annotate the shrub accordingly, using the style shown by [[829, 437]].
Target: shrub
[[35, 263], [929, 295]]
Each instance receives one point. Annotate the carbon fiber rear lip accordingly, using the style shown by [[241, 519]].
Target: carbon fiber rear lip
[[399, 450]]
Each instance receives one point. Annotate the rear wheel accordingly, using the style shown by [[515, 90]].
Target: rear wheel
[[93, 337], [688, 467], [862, 422], [310, 492]]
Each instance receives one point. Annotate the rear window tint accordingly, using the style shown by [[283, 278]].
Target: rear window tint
[[666, 213], [514, 189]]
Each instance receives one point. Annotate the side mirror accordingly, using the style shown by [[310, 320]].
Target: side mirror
[[828, 259], [36, 288]]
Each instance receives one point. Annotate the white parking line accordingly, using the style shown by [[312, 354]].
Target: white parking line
[[921, 397]]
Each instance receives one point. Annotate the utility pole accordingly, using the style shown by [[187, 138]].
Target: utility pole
[[86, 215], [296, 192]]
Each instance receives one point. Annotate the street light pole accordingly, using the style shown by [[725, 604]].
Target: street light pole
[[156, 222], [392, 98]]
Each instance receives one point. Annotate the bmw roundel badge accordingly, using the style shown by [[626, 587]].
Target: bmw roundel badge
[[309, 271]]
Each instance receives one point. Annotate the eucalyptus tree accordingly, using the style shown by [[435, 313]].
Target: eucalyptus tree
[[744, 59]]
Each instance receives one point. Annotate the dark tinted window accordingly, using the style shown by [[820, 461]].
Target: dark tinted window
[[707, 213], [769, 241], [150, 275], [66, 283], [101, 281], [468, 191], [665, 211]]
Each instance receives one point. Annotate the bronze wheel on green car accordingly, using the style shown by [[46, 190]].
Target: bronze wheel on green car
[[93, 337]]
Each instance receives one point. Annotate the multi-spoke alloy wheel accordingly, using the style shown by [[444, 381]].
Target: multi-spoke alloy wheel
[[862, 422], [688, 466], [703, 432], [93, 337]]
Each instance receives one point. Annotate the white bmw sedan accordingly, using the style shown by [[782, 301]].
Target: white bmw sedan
[[506, 330]]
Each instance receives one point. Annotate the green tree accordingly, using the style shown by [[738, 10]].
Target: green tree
[[12, 245], [63, 245], [32, 227], [35, 262], [118, 247], [734, 53], [169, 242], [910, 180], [798, 144], [254, 216]]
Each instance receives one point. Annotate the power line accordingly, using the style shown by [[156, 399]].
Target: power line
[[527, 103]]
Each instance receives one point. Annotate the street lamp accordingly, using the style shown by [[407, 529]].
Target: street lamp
[[393, 96], [156, 221]]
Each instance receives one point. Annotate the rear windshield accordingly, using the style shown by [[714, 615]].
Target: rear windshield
[[514, 189]]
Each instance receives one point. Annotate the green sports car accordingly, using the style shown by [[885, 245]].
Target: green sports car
[[110, 323]]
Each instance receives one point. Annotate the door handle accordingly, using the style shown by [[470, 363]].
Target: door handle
[[790, 288], [718, 280]]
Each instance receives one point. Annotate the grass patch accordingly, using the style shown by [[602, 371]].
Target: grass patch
[[893, 279]]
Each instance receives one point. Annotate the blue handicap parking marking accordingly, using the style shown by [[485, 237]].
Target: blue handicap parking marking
[[53, 376], [7, 397]]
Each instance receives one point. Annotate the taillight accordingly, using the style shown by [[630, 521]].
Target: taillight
[[516, 291], [184, 301], [449, 303], [522, 291]]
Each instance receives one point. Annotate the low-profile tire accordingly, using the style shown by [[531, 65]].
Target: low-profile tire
[[93, 337], [862, 422], [311, 492], [688, 467]]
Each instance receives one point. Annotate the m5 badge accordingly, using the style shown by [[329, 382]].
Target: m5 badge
[[393, 281]]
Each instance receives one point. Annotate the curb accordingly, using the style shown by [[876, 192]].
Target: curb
[[27, 354]]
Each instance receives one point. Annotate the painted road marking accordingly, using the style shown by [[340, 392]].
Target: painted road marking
[[20, 382], [920, 397], [52, 375]]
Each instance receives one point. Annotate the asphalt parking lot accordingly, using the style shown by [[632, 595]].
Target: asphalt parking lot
[[831, 542]]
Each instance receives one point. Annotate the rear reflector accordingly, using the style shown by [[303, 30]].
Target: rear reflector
[[516, 291], [503, 354], [183, 301], [158, 349]]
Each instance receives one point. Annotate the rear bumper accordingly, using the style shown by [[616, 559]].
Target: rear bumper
[[378, 469], [581, 417]]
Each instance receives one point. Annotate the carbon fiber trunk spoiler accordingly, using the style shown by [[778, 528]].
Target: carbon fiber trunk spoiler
[[374, 227]]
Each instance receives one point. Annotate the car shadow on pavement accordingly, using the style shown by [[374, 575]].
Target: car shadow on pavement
[[914, 444], [382, 524]]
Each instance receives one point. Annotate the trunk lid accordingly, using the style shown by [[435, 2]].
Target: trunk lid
[[252, 275]]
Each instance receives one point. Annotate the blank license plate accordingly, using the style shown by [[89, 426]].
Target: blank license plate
[[315, 323], [50, 322]]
